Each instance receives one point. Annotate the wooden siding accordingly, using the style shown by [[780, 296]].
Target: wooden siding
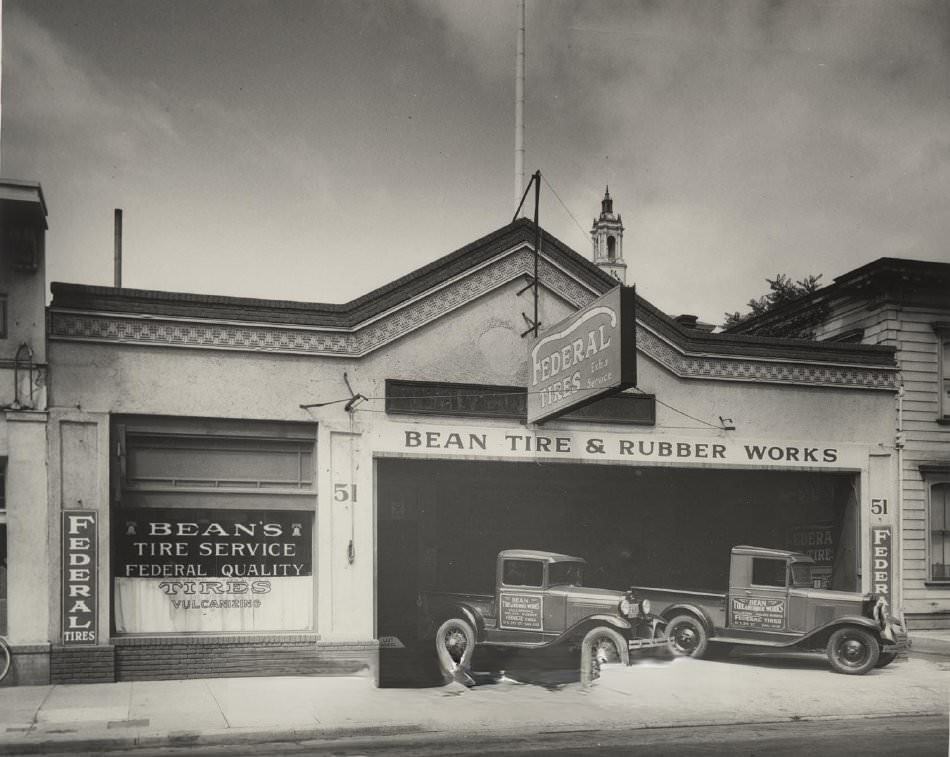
[[910, 330]]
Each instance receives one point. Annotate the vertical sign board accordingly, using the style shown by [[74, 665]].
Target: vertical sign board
[[588, 355], [80, 558], [881, 559]]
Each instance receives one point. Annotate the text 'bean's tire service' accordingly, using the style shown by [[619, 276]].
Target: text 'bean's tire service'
[[687, 636], [887, 657], [454, 646], [853, 651]]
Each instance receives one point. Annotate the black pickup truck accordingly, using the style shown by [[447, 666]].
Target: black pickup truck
[[540, 600], [772, 603]]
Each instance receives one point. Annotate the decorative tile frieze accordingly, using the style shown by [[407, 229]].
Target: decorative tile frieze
[[766, 371], [118, 328]]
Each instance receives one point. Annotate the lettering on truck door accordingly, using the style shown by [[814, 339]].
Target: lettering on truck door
[[763, 604]]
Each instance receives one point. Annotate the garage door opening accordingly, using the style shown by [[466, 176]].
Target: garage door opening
[[441, 524]]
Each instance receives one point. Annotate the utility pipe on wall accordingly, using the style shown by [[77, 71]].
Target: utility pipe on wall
[[118, 248]]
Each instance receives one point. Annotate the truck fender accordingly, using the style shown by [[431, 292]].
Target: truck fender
[[820, 635], [466, 613], [690, 609], [583, 626]]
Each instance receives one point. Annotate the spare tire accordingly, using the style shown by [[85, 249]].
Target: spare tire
[[454, 646]]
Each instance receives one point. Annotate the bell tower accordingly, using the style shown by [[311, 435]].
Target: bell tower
[[607, 237]]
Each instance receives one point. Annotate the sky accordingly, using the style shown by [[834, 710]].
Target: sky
[[306, 150]]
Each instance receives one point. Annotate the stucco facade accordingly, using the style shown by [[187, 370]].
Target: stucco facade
[[140, 378]]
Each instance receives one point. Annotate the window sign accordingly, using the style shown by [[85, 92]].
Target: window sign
[[178, 570]]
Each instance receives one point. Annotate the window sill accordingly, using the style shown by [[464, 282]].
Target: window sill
[[938, 584], [943, 420]]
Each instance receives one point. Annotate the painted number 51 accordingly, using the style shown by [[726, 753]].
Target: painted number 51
[[344, 492], [878, 507]]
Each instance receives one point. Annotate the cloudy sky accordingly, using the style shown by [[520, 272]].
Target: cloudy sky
[[315, 150]]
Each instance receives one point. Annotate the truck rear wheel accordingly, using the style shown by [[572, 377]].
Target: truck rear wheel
[[853, 651], [454, 646], [602, 646], [686, 636]]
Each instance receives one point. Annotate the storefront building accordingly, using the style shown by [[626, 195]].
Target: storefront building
[[24, 577], [207, 524]]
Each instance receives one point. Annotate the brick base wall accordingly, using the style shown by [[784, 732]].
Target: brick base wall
[[29, 665], [148, 659], [92, 664]]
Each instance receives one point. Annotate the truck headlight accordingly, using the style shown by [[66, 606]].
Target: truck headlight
[[627, 608], [644, 606]]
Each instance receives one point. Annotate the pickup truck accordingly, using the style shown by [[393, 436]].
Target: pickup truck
[[772, 604], [540, 600]]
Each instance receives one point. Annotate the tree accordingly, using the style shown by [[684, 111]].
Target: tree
[[782, 290]]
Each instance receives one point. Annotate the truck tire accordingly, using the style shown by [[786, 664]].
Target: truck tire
[[853, 651], [887, 657], [602, 645], [687, 637], [454, 646]]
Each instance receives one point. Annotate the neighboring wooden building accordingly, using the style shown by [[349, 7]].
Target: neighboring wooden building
[[904, 304]]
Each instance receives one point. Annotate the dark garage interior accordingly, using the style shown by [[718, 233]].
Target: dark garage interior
[[441, 523]]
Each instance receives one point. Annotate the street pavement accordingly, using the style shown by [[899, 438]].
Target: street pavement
[[649, 694]]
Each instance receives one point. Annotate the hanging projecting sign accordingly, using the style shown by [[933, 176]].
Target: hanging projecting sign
[[588, 355], [203, 570], [80, 552]]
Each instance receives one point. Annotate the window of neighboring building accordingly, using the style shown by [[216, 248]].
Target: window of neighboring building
[[943, 369], [940, 531], [3, 316]]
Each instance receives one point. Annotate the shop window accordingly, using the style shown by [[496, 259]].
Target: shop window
[[212, 526], [170, 461], [522, 573], [940, 531], [768, 572]]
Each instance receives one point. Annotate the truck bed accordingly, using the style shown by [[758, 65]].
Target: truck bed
[[660, 599]]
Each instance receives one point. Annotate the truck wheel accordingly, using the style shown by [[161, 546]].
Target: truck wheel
[[887, 657], [454, 646], [853, 651], [603, 645], [687, 636]]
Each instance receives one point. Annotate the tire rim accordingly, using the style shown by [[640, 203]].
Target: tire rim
[[684, 638], [604, 651], [853, 652], [455, 643]]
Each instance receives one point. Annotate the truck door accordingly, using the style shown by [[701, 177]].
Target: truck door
[[521, 602], [762, 605]]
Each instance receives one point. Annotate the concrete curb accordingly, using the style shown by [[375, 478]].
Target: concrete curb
[[231, 736], [929, 644]]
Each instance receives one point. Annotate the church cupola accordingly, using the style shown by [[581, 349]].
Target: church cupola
[[607, 237]]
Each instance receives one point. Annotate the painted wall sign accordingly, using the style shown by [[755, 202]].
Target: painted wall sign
[[181, 570], [80, 575], [433, 440], [753, 612], [881, 561], [520, 611], [588, 355], [816, 540]]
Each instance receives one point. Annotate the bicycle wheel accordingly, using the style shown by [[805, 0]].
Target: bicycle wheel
[[5, 658]]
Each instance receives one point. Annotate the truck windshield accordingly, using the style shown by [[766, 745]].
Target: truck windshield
[[566, 574], [801, 574]]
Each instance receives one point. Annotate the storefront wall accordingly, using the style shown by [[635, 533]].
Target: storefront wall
[[96, 382]]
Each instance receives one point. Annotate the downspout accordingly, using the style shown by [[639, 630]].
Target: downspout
[[899, 515]]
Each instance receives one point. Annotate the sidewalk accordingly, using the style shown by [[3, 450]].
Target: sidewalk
[[650, 694], [931, 642]]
